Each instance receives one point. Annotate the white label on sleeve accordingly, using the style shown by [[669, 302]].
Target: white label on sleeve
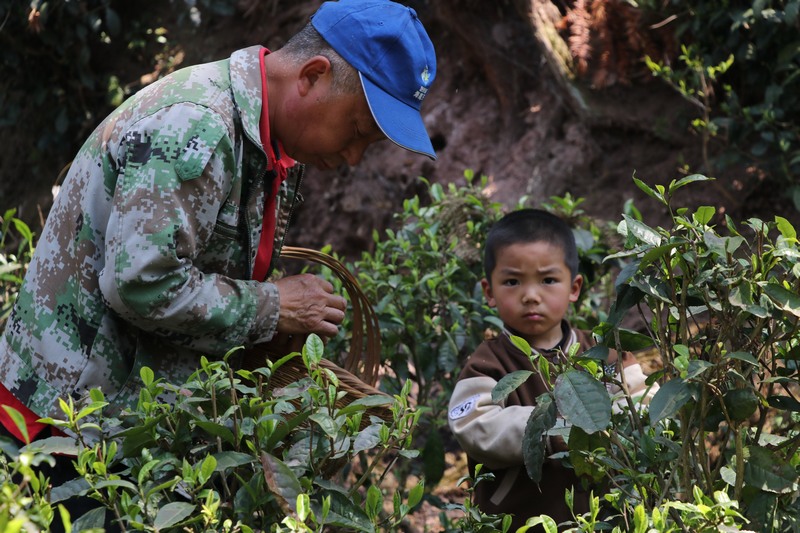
[[464, 408]]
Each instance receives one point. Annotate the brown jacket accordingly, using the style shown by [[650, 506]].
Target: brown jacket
[[492, 434]]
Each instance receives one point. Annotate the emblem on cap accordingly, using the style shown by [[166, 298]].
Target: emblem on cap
[[426, 76]]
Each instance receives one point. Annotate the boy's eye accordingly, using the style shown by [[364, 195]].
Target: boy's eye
[[549, 281], [510, 282]]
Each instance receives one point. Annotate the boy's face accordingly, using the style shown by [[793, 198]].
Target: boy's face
[[531, 287]]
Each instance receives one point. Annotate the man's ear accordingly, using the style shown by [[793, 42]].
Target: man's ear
[[487, 292], [313, 72]]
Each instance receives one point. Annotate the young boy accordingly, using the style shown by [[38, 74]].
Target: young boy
[[531, 267]]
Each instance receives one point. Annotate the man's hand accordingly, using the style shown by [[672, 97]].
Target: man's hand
[[308, 305]]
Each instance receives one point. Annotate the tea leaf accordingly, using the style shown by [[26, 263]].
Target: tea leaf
[[785, 299], [282, 482], [508, 384], [583, 401], [669, 399], [173, 513], [542, 418], [766, 471], [675, 185], [786, 228], [704, 214]]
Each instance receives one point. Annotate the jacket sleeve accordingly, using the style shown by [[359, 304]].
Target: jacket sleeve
[[175, 170], [490, 433], [632, 377]]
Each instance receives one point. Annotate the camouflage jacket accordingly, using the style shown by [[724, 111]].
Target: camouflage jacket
[[147, 252]]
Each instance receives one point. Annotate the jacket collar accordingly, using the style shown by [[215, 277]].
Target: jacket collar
[[246, 87], [568, 339]]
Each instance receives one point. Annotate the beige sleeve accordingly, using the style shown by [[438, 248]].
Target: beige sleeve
[[489, 433], [637, 389]]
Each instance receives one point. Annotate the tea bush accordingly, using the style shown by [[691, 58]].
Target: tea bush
[[224, 451], [751, 105], [722, 307]]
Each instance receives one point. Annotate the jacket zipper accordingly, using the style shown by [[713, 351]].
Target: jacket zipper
[[247, 226], [301, 172]]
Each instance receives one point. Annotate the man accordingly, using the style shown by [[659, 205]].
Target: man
[[156, 250]]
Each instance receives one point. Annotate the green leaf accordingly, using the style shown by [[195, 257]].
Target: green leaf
[[786, 228], [628, 296], [367, 439], [669, 399], [416, 493], [786, 403], [675, 185], [207, 468], [19, 421], [747, 357], [579, 443], [226, 460], [547, 524], [326, 422], [281, 481], [92, 520], [696, 368], [172, 514], [722, 246], [542, 418], [89, 409], [347, 514], [433, 459], [55, 446], [509, 383], [314, 348], [362, 404], [785, 299], [23, 229], [70, 489], [648, 191], [633, 341], [522, 344], [114, 483], [642, 232], [583, 401], [657, 253], [283, 429], [147, 375], [374, 502], [216, 430], [767, 471], [704, 214]]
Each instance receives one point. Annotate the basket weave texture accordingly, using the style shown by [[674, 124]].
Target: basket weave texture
[[357, 371]]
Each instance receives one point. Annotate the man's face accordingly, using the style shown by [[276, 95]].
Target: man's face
[[330, 130], [532, 288]]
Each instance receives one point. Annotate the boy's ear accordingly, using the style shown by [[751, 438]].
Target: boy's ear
[[312, 72], [575, 290], [487, 292]]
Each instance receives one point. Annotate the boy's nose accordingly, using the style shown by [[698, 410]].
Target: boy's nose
[[531, 295]]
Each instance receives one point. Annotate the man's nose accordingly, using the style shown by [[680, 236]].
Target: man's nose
[[353, 153]]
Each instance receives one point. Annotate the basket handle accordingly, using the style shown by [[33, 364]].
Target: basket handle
[[364, 357]]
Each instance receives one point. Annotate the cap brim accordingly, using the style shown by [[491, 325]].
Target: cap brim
[[401, 123]]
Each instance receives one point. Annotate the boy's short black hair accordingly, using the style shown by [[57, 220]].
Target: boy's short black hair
[[530, 225]]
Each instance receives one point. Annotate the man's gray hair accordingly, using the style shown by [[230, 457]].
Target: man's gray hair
[[308, 43]]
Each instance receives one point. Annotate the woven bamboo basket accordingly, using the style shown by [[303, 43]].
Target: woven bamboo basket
[[357, 370]]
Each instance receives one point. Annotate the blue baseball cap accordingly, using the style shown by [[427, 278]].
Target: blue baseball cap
[[386, 43]]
